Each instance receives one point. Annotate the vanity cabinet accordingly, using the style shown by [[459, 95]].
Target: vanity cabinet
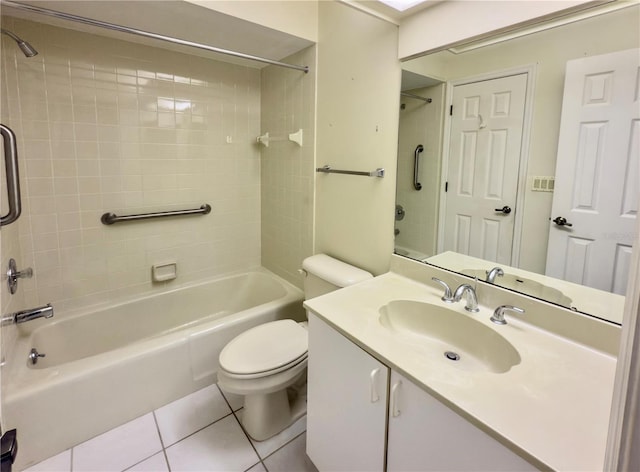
[[348, 414], [347, 399], [424, 434]]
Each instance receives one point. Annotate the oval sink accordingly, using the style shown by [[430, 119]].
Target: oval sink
[[524, 285], [446, 332]]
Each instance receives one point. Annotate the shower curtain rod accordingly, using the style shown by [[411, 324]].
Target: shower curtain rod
[[147, 34], [407, 94]]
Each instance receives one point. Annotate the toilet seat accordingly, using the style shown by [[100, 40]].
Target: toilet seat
[[265, 350]]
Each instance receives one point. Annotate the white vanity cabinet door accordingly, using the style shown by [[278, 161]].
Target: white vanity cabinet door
[[426, 435], [346, 403]]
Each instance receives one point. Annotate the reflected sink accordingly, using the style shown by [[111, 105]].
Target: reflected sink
[[524, 285], [442, 330]]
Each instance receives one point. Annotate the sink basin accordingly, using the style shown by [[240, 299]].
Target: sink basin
[[524, 285], [456, 338]]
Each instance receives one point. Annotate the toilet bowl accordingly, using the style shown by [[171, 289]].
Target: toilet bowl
[[262, 364], [268, 363]]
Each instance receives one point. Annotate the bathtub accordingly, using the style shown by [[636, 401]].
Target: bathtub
[[104, 367]]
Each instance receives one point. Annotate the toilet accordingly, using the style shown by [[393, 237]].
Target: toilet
[[267, 364]]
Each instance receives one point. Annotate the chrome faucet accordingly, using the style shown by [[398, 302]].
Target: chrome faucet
[[447, 297], [472, 299], [28, 315], [498, 315], [491, 274]]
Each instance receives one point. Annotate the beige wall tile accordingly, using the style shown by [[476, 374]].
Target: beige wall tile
[[130, 130]]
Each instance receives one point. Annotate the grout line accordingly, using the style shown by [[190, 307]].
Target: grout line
[[141, 461], [164, 450], [250, 441], [286, 444], [197, 431], [224, 398], [245, 433], [155, 453], [155, 421]]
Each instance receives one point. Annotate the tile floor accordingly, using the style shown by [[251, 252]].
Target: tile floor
[[200, 432]]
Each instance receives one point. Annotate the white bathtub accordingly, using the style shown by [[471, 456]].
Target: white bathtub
[[105, 367]]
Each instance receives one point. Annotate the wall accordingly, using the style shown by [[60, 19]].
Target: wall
[[9, 247], [106, 125], [297, 18], [455, 21], [549, 51], [287, 192], [357, 129], [420, 123]]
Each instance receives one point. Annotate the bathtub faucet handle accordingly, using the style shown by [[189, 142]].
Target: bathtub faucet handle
[[13, 274], [34, 354]]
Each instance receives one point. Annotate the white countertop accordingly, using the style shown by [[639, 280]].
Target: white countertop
[[552, 408]]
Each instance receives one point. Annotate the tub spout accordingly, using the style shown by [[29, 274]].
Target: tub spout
[[23, 316]]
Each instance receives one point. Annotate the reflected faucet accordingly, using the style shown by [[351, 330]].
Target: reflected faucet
[[472, 299], [491, 274]]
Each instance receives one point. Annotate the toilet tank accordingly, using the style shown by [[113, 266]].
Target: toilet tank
[[324, 274]]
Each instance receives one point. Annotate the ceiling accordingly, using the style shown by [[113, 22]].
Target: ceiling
[[393, 14], [196, 24]]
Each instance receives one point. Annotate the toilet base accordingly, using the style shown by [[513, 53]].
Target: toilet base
[[268, 414]]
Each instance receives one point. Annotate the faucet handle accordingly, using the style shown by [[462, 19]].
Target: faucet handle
[[448, 296], [13, 274], [498, 314]]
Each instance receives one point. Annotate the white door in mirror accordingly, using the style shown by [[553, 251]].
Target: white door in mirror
[[483, 163], [595, 201]]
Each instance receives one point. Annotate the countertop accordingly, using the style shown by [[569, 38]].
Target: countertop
[[552, 408]]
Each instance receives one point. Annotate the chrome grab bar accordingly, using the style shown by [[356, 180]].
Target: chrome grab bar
[[379, 172], [416, 167], [13, 180], [111, 218]]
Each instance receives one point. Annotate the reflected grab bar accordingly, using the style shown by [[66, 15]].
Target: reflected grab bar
[[416, 167], [379, 172], [13, 180], [111, 218]]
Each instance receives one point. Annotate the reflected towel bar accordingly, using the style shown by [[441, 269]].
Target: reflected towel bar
[[111, 218], [379, 172]]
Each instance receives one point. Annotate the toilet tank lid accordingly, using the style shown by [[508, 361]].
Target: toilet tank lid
[[334, 271]]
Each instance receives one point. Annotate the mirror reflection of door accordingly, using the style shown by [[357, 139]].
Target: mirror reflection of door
[[597, 173], [485, 149]]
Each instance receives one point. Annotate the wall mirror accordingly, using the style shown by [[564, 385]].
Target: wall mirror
[[479, 177]]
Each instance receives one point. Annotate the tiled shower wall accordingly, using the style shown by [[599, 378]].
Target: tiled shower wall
[[420, 123], [111, 126], [288, 105]]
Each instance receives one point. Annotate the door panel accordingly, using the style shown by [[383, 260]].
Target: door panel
[[484, 156], [597, 172]]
